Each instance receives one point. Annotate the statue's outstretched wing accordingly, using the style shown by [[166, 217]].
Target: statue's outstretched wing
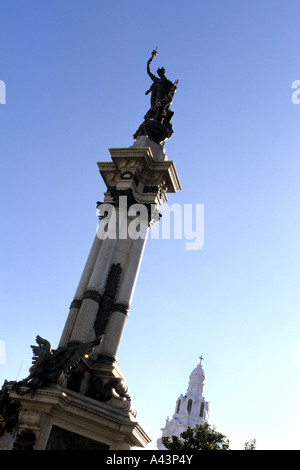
[[44, 347], [63, 359], [49, 365]]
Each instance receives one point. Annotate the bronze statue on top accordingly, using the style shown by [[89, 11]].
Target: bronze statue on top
[[156, 123]]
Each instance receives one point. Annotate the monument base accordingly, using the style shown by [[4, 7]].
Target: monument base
[[158, 150], [57, 418]]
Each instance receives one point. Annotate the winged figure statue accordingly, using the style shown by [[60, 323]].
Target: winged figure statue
[[49, 365]]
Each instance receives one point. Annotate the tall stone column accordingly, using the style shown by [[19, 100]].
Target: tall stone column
[[78, 397], [137, 184], [74, 397]]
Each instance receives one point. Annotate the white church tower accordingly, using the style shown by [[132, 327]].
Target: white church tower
[[191, 409]]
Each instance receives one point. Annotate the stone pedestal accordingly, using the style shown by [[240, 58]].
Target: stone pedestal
[[56, 418], [75, 397]]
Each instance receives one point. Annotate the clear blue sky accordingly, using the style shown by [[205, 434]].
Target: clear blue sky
[[75, 75]]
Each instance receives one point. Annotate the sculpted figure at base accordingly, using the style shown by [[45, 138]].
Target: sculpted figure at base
[[49, 365]]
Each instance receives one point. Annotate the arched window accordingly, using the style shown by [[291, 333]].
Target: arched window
[[189, 405], [178, 407], [201, 410]]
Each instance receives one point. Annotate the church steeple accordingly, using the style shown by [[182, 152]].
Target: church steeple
[[190, 409]]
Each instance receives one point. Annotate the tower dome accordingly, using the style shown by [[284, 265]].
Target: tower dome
[[197, 381], [199, 371]]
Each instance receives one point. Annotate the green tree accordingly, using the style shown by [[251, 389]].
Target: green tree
[[201, 437], [250, 445]]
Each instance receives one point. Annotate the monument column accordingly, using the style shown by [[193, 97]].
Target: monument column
[[137, 185], [74, 396]]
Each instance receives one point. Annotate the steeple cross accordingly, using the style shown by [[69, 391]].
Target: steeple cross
[[201, 359]]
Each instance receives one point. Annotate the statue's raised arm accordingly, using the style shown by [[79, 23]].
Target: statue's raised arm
[[153, 77]]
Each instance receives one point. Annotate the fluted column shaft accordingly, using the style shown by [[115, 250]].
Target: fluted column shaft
[[111, 342], [82, 286], [83, 329]]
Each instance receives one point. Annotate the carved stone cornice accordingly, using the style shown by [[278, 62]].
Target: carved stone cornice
[[135, 168]]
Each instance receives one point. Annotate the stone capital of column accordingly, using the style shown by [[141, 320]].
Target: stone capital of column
[[135, 169]]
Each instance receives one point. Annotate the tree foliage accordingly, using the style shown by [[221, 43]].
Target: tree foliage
[[250, 445], [201, 437]]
